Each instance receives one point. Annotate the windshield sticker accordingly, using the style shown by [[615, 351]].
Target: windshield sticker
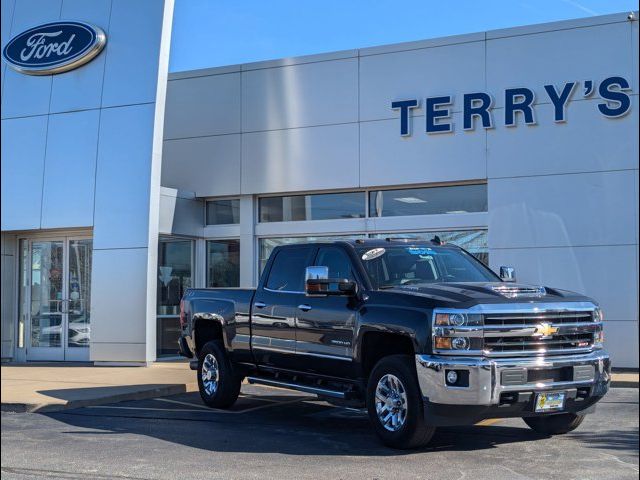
[[373, 253], [420, 251]]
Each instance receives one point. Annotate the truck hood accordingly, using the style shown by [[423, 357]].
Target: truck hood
[[463, 295]]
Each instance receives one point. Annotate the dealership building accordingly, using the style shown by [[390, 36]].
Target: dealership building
[[124, 184]]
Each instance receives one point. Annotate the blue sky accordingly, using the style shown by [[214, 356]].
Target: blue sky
[[208, 33]]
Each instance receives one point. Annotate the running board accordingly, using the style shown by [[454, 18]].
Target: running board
[[296, 386]]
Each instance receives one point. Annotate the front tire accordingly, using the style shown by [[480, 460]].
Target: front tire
[[395, 405], [218, 384], [554, 424]]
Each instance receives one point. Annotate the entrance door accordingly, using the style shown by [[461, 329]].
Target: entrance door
[[58, 272]]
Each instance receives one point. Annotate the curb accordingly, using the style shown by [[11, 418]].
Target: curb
[[121, 397], [624, 384]]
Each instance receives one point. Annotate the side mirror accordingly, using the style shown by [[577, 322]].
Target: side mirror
[[508, 274], [318, 283]]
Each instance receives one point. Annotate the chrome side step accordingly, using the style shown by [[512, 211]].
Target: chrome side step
[[296, 386]]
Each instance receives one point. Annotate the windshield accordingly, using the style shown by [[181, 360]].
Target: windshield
[[404, 265]]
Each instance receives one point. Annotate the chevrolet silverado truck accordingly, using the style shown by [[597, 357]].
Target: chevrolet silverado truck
[[420, 333]]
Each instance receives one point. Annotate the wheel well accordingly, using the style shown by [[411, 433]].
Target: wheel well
[[376, 345], [205, 331]]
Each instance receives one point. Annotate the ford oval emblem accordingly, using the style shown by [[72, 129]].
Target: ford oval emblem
[[54, 48]]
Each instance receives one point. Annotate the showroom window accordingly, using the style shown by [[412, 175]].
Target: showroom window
[[324, 206], [223, 263], [175, 275], [223, 212], [428, 201]]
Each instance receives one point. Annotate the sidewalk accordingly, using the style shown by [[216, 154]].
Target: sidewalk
[[49, 387]]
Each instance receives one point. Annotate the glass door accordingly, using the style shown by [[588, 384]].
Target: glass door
[[58, 276], [45, 306], [77, 307]]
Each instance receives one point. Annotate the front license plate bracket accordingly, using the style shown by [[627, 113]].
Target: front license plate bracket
[[550, 401]]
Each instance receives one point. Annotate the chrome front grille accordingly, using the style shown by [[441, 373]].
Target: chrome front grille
[[521, 319], [535, 332]]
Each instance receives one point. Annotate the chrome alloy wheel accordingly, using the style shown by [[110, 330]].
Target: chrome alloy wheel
[[210, 374], [391, 402]]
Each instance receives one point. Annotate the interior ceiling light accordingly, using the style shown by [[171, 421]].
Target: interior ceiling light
[[410, 200]]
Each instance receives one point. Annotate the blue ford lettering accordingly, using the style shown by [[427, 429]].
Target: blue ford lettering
[[54, 48]]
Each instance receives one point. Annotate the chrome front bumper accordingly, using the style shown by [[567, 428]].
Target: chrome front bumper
[[490, 378]]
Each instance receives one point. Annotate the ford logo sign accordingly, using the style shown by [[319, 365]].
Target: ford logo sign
[[54, 48]]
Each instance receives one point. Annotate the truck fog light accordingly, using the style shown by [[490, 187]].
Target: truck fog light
[[452, 377], [460, 343], [443, 342]]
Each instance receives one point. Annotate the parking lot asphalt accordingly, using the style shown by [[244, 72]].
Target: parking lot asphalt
[[279, 434]]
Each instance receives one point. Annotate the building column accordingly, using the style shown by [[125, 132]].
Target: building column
[[248, 248], [8, 305], [127, 199]]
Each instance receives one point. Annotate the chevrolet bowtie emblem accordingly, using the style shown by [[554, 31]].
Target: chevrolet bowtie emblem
[[545, 330]]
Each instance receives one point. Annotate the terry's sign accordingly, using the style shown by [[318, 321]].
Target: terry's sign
[[54, 48], [477, 107]]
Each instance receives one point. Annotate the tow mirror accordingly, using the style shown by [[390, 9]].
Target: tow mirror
[[508, 274], [318, 283]]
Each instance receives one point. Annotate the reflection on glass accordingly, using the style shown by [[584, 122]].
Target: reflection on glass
[[174, 274], [312, 207], [473, 241], [268, 244], [223, 212], [428, 201], [46, 293], [223, 263], [23, 292], [174, 277], [79, 303]]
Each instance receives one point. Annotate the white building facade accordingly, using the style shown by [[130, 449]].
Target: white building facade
[[520, 145]]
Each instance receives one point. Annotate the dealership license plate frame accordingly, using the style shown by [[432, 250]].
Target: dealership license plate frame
[[550, 402]]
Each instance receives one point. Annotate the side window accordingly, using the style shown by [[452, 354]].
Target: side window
[[287, 271], [338, 262]]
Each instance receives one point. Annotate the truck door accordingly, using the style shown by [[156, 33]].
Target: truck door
[[273, 334], [325, 325]]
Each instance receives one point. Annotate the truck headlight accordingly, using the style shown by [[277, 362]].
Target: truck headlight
[[598, 316], [461, 343], [457, 332], [457, 320], [598, 337]]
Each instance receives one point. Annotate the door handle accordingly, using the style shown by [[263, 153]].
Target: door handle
[[304, 307], [259, 304]]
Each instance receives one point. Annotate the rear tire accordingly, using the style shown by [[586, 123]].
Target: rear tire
[[218, 384], [395, 404], [554, 424]]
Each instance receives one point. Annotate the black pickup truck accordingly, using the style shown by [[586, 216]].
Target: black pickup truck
[[420, 333]]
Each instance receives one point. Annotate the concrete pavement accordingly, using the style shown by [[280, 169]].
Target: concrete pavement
[[272, 433], [36, 387]]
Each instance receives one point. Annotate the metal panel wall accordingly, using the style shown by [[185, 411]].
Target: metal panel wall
[[68, 193], [83, 149], [563, 196], [23, 151]]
